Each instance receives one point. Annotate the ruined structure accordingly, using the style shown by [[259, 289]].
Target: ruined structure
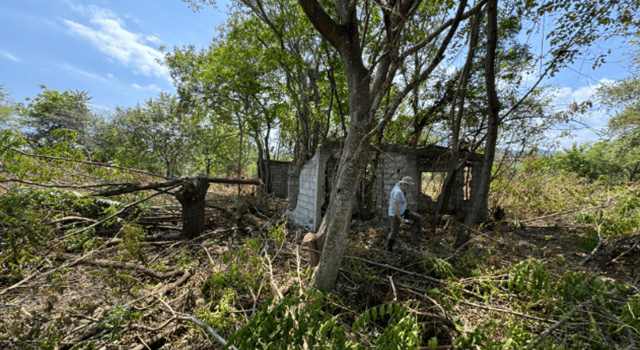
[[279, 178], [393, 162]]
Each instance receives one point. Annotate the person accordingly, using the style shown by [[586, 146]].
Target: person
[[398, 210]]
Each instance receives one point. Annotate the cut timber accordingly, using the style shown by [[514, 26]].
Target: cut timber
[[191, 196]]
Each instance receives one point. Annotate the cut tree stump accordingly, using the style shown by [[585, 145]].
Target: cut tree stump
[[192, 198]]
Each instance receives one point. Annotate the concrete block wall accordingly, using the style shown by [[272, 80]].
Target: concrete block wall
[[307, 206], [391, 168], [279, 178]]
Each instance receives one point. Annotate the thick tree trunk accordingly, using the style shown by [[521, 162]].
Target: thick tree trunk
[[479, 205], [354, 158], [192, 198]]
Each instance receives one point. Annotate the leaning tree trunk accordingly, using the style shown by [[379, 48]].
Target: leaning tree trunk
[[192, 198], [479, 205]]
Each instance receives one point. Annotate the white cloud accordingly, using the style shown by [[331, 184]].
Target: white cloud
[[9, 56], [587, 127], [148, 87], [154, 39], [108, 34], [83, 73], [564, 96]]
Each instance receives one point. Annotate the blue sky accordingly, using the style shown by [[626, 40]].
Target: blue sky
[[107, 48], [110, 49]]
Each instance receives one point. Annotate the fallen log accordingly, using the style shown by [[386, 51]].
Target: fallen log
[[135, 187]]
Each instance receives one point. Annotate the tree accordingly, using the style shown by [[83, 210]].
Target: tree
[[5, 106], [281, 78], [390, 51], [155, 136], [624, 98], [53, 110], [479, 201], [367, 87]]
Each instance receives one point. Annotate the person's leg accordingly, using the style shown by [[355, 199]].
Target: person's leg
[[417, 222], [394, 228]]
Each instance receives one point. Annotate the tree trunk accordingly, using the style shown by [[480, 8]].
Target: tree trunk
[[354, 157], [293, 184], [480, 199], [455, 165], [264, 171], [192, 198], [207, 170]]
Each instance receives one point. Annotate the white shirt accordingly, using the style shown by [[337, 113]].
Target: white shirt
[[397, 197]]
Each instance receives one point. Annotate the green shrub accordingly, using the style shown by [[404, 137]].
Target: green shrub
[[400, 329], [220, 316], [630, 314], [512, 336], [437, 267], [290, 324], [531, 278], [132, 239], [215, 286], [296, 322], [81, 242], [116, 319], [24, 227], [620, 218]]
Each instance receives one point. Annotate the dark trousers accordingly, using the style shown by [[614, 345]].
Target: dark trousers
[[394, 227]]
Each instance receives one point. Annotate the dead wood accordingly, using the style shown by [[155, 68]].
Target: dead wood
[[72, 218], [311, 246], [136, 187], [120, 211], [211, 333], [125, 265], [555, 326], [157, 340]]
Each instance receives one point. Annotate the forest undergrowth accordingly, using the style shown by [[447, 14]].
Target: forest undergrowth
[[558, 272]]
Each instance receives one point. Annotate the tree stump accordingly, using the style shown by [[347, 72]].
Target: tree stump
[[192, 198]]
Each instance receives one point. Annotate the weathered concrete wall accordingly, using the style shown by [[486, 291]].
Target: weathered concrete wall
[[391, 168], [279, 178], [395, 162], [311, 192], [311, 189]]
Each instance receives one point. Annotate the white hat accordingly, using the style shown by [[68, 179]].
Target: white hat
[[407, 180]]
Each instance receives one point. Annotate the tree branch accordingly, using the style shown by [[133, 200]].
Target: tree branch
[[441, 29], [332, 31]]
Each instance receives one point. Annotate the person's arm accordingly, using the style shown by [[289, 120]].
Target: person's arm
[[398, 209]]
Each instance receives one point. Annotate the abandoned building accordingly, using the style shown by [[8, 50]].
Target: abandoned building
[[426, 165]]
